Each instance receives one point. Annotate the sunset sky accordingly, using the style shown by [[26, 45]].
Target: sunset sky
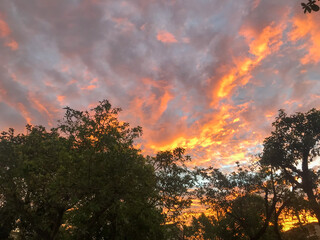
[[209, 76]]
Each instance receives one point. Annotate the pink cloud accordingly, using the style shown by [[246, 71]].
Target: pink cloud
[[13, 45], [166, 37], [4, 28], [5, 33], [89, 87], [61, 99]]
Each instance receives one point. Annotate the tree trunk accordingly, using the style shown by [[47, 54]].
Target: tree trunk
[[314, 204], [276, 227], [307, 185], [57, 224]]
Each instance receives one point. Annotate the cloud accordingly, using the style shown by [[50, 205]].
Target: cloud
[[166, 37], [307, 28], [208, 76], [5, 33], [4, 29]]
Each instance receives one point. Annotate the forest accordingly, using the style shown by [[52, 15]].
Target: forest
[[86, 179]]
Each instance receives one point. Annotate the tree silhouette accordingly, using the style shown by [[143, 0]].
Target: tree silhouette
[[292, 147], [310, 6], [247, 201], [81, 180]]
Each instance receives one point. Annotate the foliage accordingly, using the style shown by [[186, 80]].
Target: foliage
[[119, 184], [36, 180], [245, 202], [310, 6], [203, 227], [301, 233], [292, 146], [85, 180], [174, 181], [82, 180]]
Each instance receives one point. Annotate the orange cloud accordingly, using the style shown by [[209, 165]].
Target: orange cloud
[[307, 27], [260, 46], [5, 33], [3, 92], [157, 103], [43, 108], [90, 87], [61, 99], [123, 24], [13, 45], [267, 42], [4, 28], [7, 98], [72, 81], [24, 113], [94, 80], [212, 140], [166, 37]]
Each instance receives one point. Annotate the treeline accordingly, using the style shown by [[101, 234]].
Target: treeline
[[85, 179]]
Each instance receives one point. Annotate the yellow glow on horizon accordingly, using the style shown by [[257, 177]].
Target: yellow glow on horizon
[[290, 223]]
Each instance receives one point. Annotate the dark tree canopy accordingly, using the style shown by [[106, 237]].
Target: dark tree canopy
[[85, 179], [245, 202], [81, 180], [292, 147], [174, 181]]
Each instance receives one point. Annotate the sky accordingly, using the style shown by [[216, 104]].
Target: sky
[[209, 76]]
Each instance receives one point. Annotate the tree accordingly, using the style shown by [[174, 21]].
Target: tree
[[174, 183], [36, 180], [81, 180], [245, 202], [292, 146], [120, 185], [204, 227], [7, 219]]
